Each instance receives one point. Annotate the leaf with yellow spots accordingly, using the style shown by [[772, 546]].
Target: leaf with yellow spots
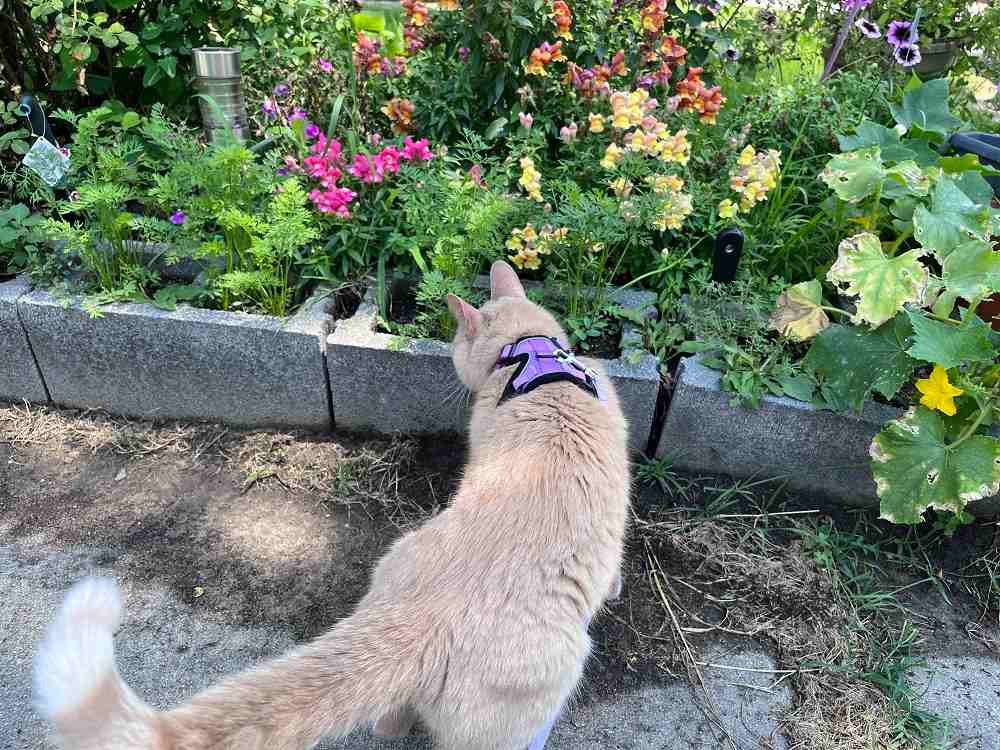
[[915, 468]]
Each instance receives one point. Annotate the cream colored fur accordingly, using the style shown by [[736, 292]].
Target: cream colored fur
[[474, 622]]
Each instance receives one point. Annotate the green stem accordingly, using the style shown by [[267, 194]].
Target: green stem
[[894, 246], [827, 308], [984, 409]]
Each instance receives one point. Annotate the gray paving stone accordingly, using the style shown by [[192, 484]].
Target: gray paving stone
[[167, 651], [19, 376], [965, 690], [815, 451], [141, 361], [384, 383]]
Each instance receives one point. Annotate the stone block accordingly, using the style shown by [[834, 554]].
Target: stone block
[[815, 451], [141, 361], [384, 383], [20, 379]]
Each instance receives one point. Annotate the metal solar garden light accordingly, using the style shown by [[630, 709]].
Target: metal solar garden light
[[218, 80]]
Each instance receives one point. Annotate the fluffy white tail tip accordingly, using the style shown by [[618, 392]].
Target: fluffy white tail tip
[[78, 650]]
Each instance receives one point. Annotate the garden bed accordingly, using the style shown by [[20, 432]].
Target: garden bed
[[140, 360], [814, 451], [385, 383]]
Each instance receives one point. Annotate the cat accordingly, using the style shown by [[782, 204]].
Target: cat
[[475, 623]]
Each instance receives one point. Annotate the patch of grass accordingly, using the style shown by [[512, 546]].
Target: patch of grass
[[828, 595]]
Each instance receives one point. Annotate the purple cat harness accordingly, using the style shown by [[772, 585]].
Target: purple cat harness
[[542, 360]]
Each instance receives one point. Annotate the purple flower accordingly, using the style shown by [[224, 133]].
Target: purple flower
[[853, 5], [269, 108], [298, 114], [899, 33], [907, 54], [325, 65], [178, 217], [463, 53], [869, 28], [282, 171], [281, 90], [312, 130]]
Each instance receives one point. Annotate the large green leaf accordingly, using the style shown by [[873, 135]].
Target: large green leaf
[[948, 344], [975, 186], [884, 285], [972, 270], [905, 179], [870, 133], [952, 219], [927, 108], [915, 468], [855, 175], [850, 362]]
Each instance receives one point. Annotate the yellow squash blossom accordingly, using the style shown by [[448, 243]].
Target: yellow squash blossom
[[938, 392]]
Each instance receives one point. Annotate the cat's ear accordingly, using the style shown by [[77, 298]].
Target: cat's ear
[[504, 281], [469, 318]]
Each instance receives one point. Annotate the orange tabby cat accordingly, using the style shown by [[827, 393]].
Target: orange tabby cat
[[474, 623]]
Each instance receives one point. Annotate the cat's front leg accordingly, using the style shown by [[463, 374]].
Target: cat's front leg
[[397, 723]]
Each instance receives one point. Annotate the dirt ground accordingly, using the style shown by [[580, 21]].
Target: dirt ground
[[271, 536]]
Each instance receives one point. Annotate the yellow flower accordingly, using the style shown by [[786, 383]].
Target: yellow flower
[[727, 209], [983, 89], [938, 392], [612, 155], [746, 156], [596, 123], [665, 183], [622, 187]]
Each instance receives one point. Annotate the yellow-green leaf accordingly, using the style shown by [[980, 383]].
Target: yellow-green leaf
[[882, 284]]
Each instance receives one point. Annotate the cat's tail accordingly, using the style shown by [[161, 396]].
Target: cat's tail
[[363, 668]]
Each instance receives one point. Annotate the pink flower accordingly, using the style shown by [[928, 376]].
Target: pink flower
[[413, 151], [526, 119], [476, 174], [389, 159], [463, 53], [568, 133], [333, 201], [325, 65], [375, 139], [364, 170]]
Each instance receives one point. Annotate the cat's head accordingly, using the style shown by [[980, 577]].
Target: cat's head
[[482, 333]]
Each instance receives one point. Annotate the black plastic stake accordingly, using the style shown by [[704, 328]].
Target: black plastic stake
[[29, 108], [728, 248]]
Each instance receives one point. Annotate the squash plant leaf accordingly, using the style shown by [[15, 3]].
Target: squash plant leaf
[[855, 175], [884, 284], [905, 179], [915, 468], [952, 219], [947, 344], [799, 314], [850, 362], [975, 186], [870, 133], [972, 270], [926, 107]]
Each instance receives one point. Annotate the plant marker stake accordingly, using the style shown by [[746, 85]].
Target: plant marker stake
[[728, 248], [30, 109]]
